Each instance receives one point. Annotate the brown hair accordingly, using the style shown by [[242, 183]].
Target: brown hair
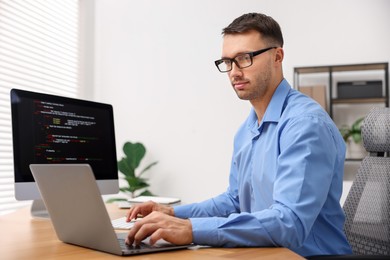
[[265, 25]]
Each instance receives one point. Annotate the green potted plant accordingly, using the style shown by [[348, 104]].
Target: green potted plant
[[354, 132], [137, 184], [353, 137]]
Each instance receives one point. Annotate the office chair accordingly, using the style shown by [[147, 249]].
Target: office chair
[[367, 206]]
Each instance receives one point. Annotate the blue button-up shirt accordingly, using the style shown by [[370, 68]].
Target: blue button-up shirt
[[285, 183]]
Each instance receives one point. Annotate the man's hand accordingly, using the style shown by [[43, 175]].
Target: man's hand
[[158, 225], [146, 208]]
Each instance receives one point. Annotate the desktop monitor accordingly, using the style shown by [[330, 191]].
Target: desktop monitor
[[53, 129]]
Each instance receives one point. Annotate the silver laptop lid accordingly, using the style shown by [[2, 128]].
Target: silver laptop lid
[[75, 206], [77, 210]]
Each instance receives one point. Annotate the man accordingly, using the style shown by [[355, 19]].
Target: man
[[287, 168]]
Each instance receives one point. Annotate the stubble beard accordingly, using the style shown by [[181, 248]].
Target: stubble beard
[[257, 87]]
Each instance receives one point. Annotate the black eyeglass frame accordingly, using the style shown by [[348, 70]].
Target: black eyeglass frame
[[251, 55]]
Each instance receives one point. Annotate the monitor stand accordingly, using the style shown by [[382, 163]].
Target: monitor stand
[[38, 209]]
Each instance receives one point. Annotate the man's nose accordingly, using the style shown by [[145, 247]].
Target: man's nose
[[236, 71]]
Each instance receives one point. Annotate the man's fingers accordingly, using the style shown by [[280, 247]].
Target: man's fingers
[[143, 209], [157, 235], [130, 214], [145, 231], [158, 226], [133, 231], [140, 231]]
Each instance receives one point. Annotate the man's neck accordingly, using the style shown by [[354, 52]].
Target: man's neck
[[260, 105]]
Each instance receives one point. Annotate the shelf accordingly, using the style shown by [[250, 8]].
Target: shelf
[[355, 67], [358, 100], [319, 69], [335, 72], [353, 159], [339, 68]]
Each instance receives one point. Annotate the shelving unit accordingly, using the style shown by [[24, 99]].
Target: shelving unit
[[329, 73], [344, 111]]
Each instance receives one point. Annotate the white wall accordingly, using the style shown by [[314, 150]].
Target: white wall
[[154, 63]]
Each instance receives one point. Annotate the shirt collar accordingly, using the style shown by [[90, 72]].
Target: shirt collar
[[274, 109]]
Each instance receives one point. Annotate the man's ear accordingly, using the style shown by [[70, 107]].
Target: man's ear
[[279, 55]]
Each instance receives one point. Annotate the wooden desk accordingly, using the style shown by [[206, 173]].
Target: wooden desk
[[23, 237]]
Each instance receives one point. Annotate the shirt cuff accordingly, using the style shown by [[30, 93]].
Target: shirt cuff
[[205, 231]]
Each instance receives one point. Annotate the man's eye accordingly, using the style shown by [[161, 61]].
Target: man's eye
[[227, 62], [243, 58]]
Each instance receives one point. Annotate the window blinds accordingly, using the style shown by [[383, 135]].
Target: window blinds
[[39, 45]]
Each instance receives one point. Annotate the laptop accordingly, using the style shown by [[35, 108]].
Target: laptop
[[78, 213]]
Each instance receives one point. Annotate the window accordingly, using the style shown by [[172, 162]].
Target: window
[[39, 49]]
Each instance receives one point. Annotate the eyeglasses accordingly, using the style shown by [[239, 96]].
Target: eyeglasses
[[242, 61]]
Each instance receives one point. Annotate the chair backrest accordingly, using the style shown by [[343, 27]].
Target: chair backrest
[[367, 206]]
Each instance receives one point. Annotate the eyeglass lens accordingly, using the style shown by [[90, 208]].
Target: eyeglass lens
[[241, 61]]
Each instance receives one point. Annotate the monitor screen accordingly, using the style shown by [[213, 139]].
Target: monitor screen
[[54, 129]]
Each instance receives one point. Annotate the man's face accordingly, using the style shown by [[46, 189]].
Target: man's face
[[249, 83]]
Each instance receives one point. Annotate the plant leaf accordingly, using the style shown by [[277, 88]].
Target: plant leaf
[[136, 183], [356, 126], [115, 199], [357, 137], [345, 133], [146, 193], [354, 131], [134, 152], [123, 167], [148, 167], [125, 189]]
